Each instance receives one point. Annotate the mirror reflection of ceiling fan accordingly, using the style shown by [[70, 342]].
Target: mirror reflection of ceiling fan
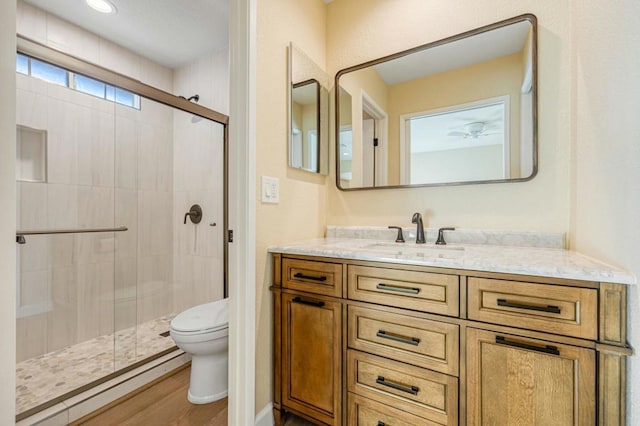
[[473, 130]]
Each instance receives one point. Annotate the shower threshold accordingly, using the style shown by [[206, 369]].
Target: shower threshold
[[47, 379]]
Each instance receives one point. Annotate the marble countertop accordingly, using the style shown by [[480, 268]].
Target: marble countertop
[[545, 262]]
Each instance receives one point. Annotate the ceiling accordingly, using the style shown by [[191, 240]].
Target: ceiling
[[471, 50], [169, 32], [305, 95]]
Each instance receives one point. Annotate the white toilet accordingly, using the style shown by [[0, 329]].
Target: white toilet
[[203, 332]]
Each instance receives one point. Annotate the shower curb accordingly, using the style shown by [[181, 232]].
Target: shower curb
[[93, 399]]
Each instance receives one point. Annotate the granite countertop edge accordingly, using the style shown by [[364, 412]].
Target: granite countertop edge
[[530, 261]]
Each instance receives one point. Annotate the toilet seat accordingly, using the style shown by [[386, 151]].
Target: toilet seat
[[201, 319]]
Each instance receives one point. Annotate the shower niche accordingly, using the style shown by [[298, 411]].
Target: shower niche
[[31, 154]]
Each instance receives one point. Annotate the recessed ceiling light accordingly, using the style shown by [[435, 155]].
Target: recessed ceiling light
[[102, 6]]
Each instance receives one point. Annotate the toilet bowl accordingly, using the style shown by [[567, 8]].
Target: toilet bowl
[[203, 332]]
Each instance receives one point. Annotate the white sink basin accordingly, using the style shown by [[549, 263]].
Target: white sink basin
[[410, 250], [412, 247]]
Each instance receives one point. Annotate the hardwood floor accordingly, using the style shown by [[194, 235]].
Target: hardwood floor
[[162, 403]]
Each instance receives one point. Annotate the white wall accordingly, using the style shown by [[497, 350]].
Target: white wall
[[8, 211], [451, 165], [605, 207]]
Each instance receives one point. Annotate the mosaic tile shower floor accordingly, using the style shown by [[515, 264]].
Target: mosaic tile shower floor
[[48, 376]]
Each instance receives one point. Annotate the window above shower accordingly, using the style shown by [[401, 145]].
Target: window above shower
[[56, 75]]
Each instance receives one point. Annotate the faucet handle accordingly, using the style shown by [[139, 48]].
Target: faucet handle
[[440, 241], [400, 237]]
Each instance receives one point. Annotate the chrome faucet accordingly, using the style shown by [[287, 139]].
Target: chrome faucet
[[417, 219]]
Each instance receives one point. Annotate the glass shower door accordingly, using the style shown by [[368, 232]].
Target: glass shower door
[[66, 275]]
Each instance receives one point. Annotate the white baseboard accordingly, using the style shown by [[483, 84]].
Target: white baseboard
[[265, 416]]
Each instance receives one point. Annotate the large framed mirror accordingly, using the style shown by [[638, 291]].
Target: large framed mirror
[[462, 110], [308, 114]]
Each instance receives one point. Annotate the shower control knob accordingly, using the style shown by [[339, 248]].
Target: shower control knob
[[194, 213]]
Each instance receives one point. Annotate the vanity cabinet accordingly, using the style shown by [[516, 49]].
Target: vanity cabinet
[[513, 380], [376, 343], [312, 358]]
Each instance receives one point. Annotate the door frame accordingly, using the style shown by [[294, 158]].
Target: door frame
[[242, 212]]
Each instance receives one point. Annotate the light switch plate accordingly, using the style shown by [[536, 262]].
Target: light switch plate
[[270, 190]]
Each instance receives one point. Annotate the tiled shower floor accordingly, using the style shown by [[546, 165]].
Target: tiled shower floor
[[48, 376]]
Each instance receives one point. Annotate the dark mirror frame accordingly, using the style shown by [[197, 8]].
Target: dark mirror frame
[[318, 127], [534, 89]]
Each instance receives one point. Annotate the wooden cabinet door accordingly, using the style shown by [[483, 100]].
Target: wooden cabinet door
[[513, 380], [311, 356]]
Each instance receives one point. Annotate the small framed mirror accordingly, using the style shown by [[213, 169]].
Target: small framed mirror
[[462, 110], [308, 114], [305, 126]]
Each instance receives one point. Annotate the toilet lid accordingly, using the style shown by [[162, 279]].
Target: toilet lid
[[210, 316]]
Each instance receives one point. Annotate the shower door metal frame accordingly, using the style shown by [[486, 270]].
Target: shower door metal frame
[[71, 63]]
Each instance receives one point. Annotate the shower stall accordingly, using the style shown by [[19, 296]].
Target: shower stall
[[107, 170]]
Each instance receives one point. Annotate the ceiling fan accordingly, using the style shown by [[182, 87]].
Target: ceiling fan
[[473, 130]]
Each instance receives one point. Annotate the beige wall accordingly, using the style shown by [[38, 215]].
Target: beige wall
[[8, 211], [490, 79], [606, 142], [301, 213], [541, 204]]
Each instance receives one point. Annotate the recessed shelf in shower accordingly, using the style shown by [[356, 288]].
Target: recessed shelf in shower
[[31, 154]]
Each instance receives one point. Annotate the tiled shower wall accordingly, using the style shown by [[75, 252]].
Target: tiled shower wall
[[198, 178], [107, 166]]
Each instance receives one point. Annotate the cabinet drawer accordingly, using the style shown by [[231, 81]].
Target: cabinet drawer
[[313, 277], [366, 412], [417, 341], [423, 393], [570, 311], [421, 291]]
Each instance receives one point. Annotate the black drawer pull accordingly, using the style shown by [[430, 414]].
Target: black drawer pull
[[413, 390], [380, 423], [309, 277], [398, 289], [396, 337], [548, 349], [549, 308], [307, 302]]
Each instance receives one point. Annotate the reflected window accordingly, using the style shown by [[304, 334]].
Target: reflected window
[[312, 151], [460, 143], [346, 153]]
